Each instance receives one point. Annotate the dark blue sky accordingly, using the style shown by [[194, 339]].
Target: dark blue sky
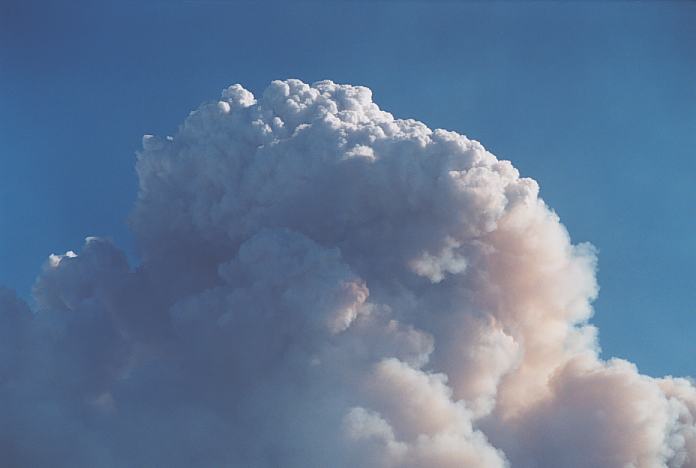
[[596, 101]]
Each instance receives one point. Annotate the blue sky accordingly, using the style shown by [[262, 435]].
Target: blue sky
[[595, 101]]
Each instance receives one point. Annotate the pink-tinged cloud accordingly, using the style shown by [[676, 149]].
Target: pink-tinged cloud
[[323, 285]]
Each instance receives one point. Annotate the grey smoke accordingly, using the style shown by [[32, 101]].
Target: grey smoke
[[323, 285]]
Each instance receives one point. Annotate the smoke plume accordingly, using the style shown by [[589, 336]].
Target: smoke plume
[[323, 285]]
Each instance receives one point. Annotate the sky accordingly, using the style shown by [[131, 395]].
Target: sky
[[382, 234], [596, 101]]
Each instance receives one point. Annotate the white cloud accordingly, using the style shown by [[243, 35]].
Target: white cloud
[[325, 285]]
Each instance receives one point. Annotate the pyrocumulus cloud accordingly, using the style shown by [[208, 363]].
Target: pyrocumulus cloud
[[323, 285]]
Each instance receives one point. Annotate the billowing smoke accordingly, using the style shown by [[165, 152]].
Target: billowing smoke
[[325, 286]]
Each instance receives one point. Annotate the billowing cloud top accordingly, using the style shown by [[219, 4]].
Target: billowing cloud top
[[323, 285]]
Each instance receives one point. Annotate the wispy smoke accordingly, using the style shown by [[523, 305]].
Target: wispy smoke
[[323, 285]]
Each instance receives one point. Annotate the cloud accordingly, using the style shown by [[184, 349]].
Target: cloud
[[322, 284]]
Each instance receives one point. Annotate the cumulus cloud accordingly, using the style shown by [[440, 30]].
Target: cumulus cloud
[[324, 285]]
